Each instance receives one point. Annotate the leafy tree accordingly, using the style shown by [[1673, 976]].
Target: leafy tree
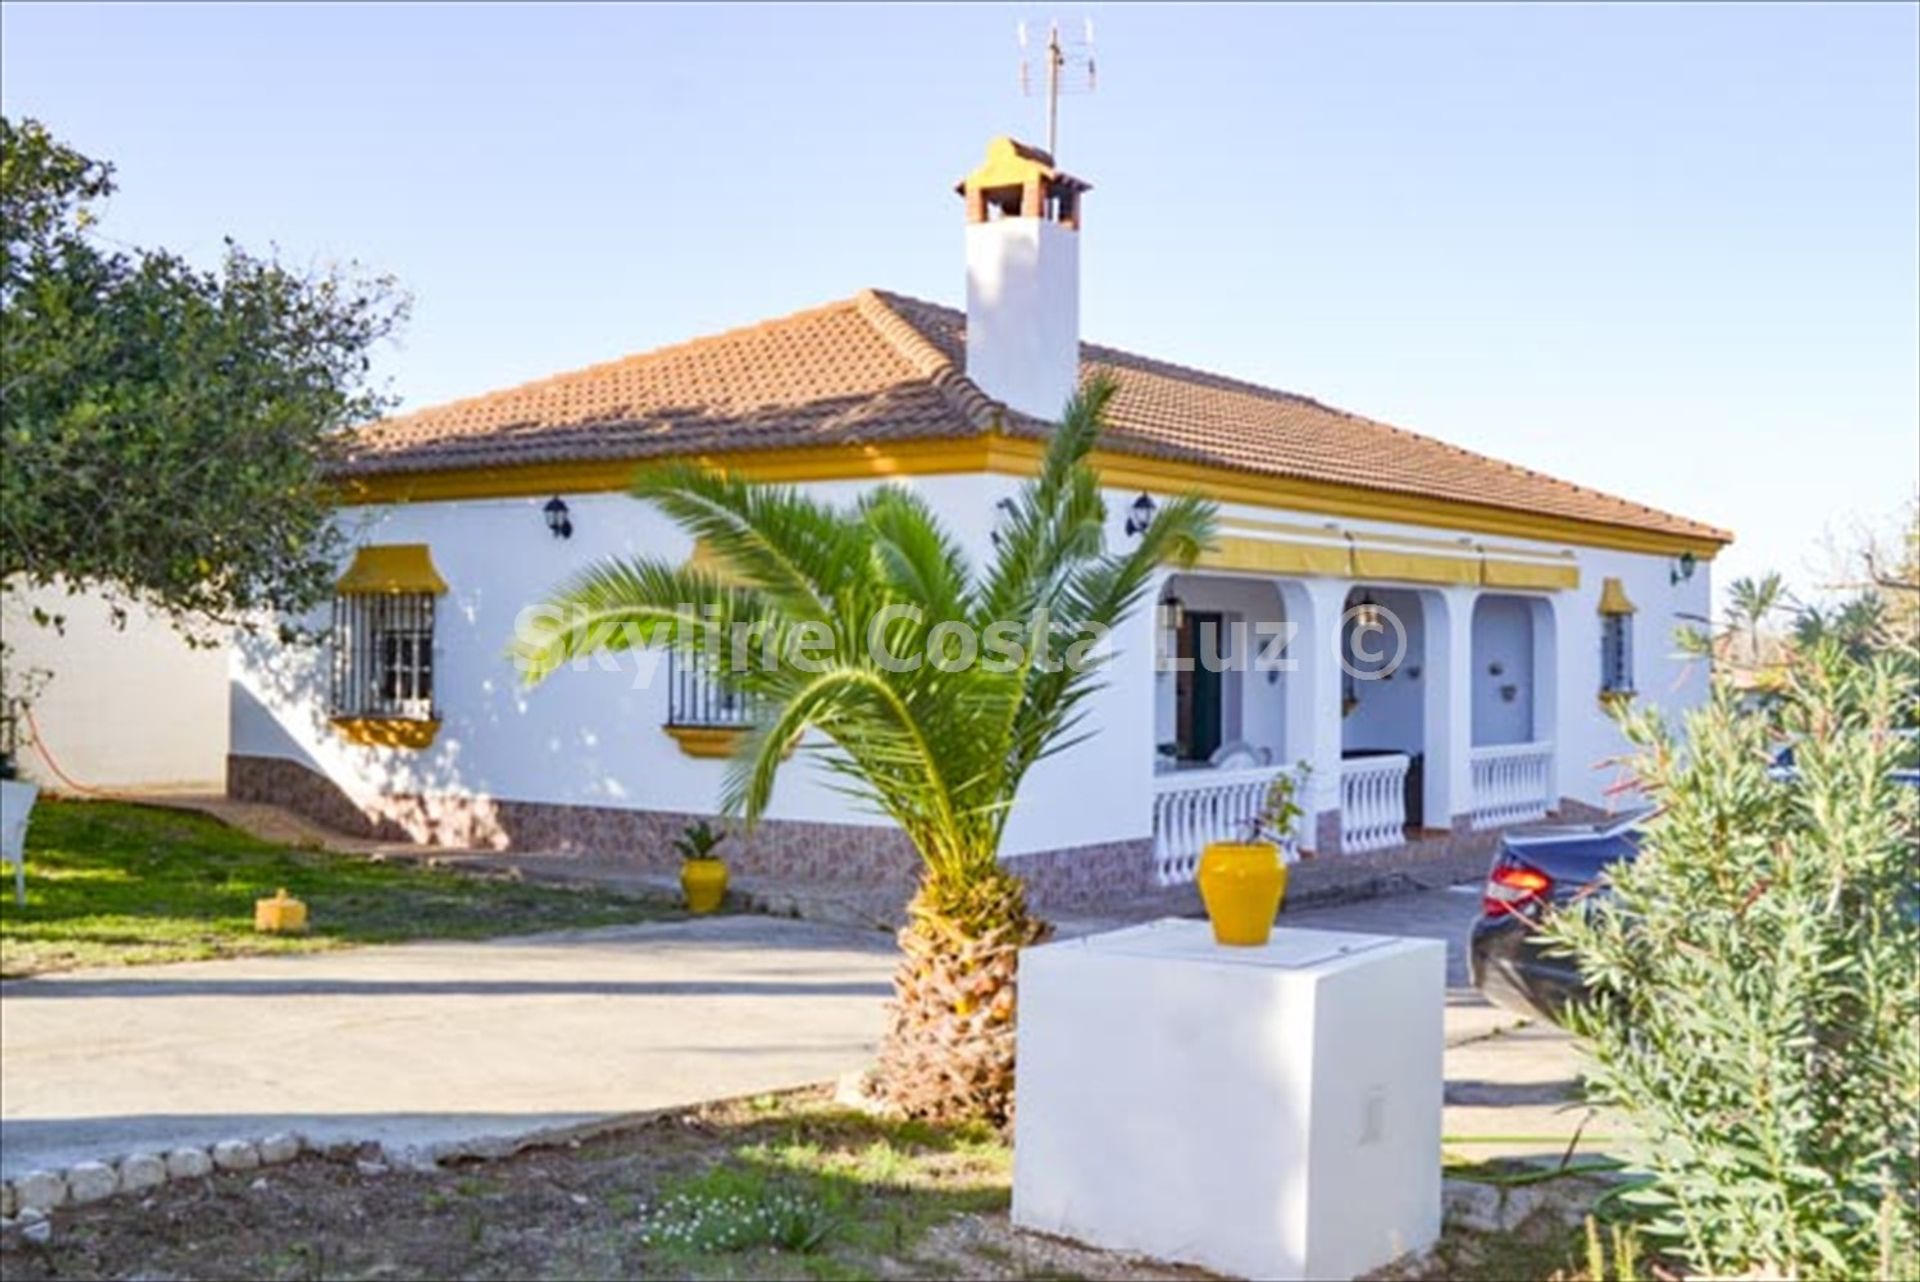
[[1756, 973], [1877, 610], [166, 429], [856, 617]]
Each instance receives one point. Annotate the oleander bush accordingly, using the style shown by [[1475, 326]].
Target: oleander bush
[[1756, 978]]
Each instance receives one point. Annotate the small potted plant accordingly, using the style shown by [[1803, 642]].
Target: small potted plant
[[1279, 818], [1243, 883], [703, 874]]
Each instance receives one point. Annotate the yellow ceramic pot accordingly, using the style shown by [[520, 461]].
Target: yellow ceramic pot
[[1242, 884], [281, 915], [704, 883]]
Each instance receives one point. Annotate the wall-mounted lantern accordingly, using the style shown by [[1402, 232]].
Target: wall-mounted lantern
[[1140, 516], [558, 522], [1682, 569], [1173, 611]]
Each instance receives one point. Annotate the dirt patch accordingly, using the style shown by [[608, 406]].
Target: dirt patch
[[777, 1187]]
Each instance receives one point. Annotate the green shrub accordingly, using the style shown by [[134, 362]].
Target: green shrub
[[1756, 1015]]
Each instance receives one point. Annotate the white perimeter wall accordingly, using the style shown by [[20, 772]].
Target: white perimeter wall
[[594, 737], [123, 709]]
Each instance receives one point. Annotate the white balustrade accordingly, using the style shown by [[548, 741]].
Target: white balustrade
[[1194, 807], [1373, 802], [1512, 783]]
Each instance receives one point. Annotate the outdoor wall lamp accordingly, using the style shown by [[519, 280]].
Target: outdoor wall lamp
[[1173, 611], [558, 521], [1682, 569], [1140, 516]]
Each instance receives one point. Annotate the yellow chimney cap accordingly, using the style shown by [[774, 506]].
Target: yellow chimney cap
[[1021, 181]]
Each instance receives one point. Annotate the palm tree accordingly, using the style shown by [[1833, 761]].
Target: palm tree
[[845, 610], [1752, 600]]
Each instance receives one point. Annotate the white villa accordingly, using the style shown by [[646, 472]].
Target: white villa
[[1526, 603]]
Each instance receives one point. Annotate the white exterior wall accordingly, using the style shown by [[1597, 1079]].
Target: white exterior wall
[[1503, 638], [592, 738], [1390, 714], [123, 709]]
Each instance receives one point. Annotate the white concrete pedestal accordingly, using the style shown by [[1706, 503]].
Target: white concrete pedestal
[[1269, 1112]]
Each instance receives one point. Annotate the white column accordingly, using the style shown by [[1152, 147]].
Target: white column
[[1546, 690], [1313, 701], [1449, 706]]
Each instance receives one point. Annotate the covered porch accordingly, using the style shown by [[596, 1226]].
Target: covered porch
[[1410, 713]]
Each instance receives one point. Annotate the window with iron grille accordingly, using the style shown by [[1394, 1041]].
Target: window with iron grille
[[1616, 654], [695, 697], [383, 655]]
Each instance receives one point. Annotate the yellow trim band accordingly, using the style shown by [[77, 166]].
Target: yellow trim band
[[1020, 456]]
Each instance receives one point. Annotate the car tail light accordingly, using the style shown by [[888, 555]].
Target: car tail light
[[1512, 886]]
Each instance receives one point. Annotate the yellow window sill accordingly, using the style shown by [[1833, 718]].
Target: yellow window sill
[[388, 732], [707, 741]]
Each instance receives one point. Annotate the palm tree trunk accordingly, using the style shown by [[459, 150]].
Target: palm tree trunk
[[948, 1050]]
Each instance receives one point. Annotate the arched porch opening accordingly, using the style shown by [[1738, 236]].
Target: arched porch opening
[[1512, 690]]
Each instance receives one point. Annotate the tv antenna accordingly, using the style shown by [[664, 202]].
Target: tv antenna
[[1069, 70]]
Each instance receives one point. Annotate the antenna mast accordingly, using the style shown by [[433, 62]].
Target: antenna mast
[[1070, 70]]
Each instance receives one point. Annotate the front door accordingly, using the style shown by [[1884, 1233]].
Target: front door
[[1196, 690]]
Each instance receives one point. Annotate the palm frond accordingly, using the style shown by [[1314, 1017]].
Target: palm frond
[[940, 747], [774, 537], [617, 605]]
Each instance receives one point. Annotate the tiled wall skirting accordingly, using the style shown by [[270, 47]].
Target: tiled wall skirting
[[872, 856]]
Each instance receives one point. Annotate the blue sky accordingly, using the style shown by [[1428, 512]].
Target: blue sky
[[1668, 251]]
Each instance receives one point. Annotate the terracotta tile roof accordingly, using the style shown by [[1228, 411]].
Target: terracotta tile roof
[[880, 367]]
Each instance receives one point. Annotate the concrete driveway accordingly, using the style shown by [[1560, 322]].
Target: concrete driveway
[[425, 1045], [466, 1044]]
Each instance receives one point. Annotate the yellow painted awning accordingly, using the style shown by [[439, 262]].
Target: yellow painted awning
[[391, 567], [1268, 548], [1613, 598]]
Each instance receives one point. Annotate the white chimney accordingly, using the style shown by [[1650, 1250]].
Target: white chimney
[[1023, 279]]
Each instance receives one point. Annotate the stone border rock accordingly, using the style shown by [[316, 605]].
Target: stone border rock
[[26, 1200]]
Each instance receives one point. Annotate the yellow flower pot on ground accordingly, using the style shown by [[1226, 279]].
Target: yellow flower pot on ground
[[704, 883], [1242, 884], [281, 915]]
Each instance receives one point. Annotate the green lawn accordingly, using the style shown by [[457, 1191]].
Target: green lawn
[[115, 884]]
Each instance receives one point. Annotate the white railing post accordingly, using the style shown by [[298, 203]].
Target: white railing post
[[1373, 802], [1194, 807], [1512, 783]]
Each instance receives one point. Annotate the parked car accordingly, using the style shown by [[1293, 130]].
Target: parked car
[[1541, 870], [1537, 871]]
